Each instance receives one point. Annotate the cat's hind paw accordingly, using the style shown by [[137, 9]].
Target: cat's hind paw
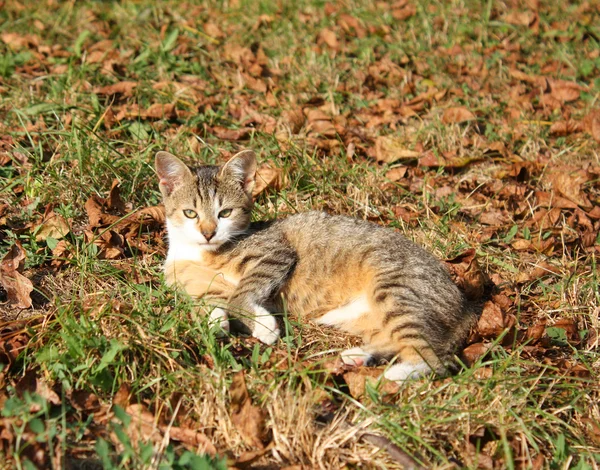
[[218, 318], [355, 357], [265, 326], [406, 371]]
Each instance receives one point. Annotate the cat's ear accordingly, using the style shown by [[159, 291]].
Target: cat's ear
[[241, 167], [171, 171]]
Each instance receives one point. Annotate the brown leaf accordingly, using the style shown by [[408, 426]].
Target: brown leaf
[[535, 332], [457, 114], [404, 12], [357, 379], [83, 400], [564, 91], [520, 18], [93, 207], [568, 182], [195, 440], [542, 269], [591, 124], [242, 133], [159, 111], [521, 244], [143, 426], [431, 160], [396, 174], [115, 202], [124, 88], [294, 119], [19, 41], [570, 327], [30, 382], [491, 322], [473, 352], [213, 30], [564, 128], [17, 286], [54, 226], [493, 217], [468, 274], [267, 177], [328, 37], [388, 149], [247, 418]]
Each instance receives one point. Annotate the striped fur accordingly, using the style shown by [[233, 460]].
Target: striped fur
[[347, 273]]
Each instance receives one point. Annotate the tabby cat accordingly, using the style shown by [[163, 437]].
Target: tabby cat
[[337, 271]]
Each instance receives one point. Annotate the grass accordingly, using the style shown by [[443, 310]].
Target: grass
[[110, 328]]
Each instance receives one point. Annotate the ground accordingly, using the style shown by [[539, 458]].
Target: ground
[[471, 127]]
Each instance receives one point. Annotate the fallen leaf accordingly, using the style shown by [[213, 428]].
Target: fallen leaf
[[564, 91], [473, 352], [467, 274], [124, 88], [85, 401], [491, 321], [242, 133], [30, 382], [115, 202], [267, 177], [357, 379], [53, 226], [404, 12], [159, 111], [520, 18], [143, 426], [397, 173], [535, 332], [247, 418], [294, 119], [542, 269], [564, 128], [568, 182], [390, 149], [17, 286], [194, 439], [328, 37], [591, 124], [457, 115], [569, 326]]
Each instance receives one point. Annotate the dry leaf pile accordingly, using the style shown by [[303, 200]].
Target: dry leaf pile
[[475, 134]]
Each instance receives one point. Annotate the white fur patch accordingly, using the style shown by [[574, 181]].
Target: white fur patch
[[218, 317], [355, 357], [346, 313], [185, 242], [265, 326], [403, 371]]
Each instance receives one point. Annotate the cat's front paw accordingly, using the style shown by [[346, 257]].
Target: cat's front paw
[[265, 326], [402, 372], [356, 357], [218, 318]]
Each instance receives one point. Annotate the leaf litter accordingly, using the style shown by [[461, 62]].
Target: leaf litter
[[503, 158]]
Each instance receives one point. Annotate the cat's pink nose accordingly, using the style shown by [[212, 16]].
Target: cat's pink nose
[[208, 234]]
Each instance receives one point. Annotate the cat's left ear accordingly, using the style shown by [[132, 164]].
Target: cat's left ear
[[241, 167], [171, 171]]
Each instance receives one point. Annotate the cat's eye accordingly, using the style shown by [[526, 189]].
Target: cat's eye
[[190, 214], [225, 213]]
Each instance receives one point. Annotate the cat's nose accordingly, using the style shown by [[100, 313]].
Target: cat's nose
[[208, 234]]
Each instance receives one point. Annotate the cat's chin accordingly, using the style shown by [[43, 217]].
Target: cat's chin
[[209, 246]]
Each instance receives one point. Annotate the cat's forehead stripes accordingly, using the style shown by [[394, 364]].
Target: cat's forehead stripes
[[207, 182]]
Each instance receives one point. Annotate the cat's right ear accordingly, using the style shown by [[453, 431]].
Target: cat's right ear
[[171, 171]]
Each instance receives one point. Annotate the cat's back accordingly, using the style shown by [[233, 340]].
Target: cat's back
[[310, 231]]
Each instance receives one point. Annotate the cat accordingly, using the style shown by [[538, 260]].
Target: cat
[[335, 270]]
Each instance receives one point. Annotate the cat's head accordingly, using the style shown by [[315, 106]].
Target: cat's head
[[208, 205]]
